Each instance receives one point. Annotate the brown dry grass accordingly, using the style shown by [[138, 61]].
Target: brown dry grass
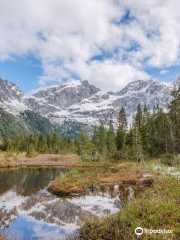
[[45, 160], [2, 238], [79, 182], [21, 160]]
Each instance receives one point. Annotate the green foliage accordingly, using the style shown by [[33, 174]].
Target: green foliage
[[39, 124], [122, 129], [155, 208], [174, 115], [137, 143], [111, 138], [101, 138], [31, 153], [152, 134], [42, 143], [139, 118], [11, 126], [28, 122], [83, 142]]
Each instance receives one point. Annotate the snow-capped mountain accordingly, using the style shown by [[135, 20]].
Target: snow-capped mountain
[[11, 97], [61, 97], [84, 103]]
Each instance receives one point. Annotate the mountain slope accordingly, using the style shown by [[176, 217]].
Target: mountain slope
[[26, 123], [77, 103], [11, 125], [69, 103], [60, 97], [11, 97]]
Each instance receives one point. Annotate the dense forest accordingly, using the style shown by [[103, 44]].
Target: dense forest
[[29, 122], [24, 124], [151, 134]]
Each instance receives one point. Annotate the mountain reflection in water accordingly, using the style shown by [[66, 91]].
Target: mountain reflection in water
[[29, 211]]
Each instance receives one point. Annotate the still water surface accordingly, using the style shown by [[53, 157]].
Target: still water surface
[[29, 211]]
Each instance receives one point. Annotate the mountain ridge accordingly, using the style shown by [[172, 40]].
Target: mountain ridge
[[83, 102]]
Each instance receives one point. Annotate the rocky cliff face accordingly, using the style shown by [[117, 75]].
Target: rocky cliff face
[[81, 102], [11, 97], [60, 97], [9, 91], [149, 92]]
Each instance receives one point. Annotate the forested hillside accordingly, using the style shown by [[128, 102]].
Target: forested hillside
[[26, 123], [12, 126], [39, 124], [152, 134]]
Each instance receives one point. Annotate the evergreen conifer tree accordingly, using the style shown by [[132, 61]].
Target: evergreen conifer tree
[[122, 129], [55, 143], [83, 142], [137, 144], [174, 113], [111, 138], [139, 118], [101, 138], [42, 145], [95, 137]]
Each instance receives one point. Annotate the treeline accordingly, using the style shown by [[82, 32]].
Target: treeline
[[37, 143], [25, 123], [151, 134]]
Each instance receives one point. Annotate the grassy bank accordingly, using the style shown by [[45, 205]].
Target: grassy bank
[[156, 208], [9, 159], [78, 182]]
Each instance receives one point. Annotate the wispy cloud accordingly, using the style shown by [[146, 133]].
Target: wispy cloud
[[164, 71]]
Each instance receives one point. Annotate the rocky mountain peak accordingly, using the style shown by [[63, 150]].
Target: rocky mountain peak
[[11, 97], [9, 91], [83, 103], [137, 86], [177, 82], [60, 97]]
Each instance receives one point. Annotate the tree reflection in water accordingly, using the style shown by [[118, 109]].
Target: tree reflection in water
[[28, 209]]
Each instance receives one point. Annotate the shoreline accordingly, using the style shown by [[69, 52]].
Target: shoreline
[[78, 183], [54, 160], [159, 202], [42, 160]]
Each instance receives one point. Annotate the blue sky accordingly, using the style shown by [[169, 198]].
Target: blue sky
[[107, 42], [24, 72]]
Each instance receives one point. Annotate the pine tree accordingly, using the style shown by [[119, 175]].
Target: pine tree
[[137, 143], [144, 128], [55, 143], [174, 113], [162, 132], [111, 138], [42, 145], [49, 143], [95, 137], [101, 138], [6, 144], [83, 142], [122, 129], [129, 137], [139, 117], [122, 120], [31, 146]]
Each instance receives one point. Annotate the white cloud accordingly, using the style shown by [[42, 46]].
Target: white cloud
[[164, 71], [65, 36]]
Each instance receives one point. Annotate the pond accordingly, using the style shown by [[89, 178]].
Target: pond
[[29, 211]]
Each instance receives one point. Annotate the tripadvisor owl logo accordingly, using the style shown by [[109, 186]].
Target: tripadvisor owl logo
[[139, 231]]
